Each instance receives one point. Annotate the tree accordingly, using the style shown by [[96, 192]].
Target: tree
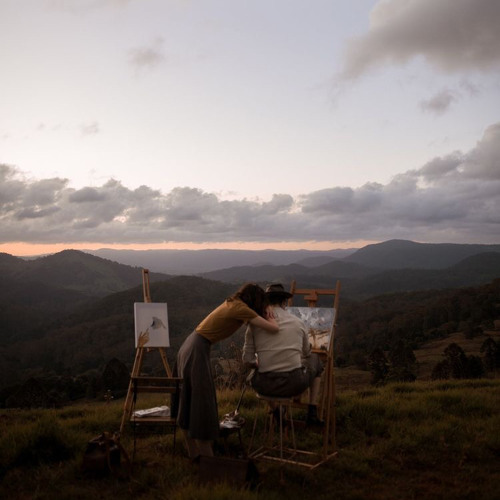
[[475, 368], [457, 365], [491, 354], [378, 365], [457, 360], [441, 371], [471, 331], [402, 363]]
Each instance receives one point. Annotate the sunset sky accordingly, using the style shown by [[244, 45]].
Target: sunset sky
[[248, 124]]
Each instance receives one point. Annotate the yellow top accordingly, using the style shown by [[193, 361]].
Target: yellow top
[[223, 321]]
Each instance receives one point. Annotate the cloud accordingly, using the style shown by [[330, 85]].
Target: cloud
[[89, 128], [279, 203], [147, 57], [470, 87], [439, 168], [77, 6], [451, 35], [483, 162], [452, 198], [440, 102], [86, 195]]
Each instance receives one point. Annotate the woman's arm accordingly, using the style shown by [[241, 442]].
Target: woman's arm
[[269, 323], [248, 355]]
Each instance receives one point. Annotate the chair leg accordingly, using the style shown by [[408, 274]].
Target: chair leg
[[135, 443], [274, 423], [281, 429]]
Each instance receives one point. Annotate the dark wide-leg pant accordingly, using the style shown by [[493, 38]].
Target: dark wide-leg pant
[[197, 413]]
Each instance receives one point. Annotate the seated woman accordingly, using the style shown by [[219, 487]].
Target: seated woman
[[197, 412], [285, 366]]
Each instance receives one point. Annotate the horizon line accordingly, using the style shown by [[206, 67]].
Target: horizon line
[[21, 249]]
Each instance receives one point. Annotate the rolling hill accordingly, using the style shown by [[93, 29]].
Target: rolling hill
[[74, 270], [360, 281], [36, 293], [403, 254], [201, 261], [103, 328]]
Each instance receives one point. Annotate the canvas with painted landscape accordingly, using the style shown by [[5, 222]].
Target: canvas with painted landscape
[[151, 324], [319, 322]]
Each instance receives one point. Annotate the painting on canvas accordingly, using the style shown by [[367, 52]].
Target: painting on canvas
[[319, 322], [151, 324]]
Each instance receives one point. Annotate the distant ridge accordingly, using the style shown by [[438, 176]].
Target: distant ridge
[[74, 270], [319, 276], [202, 261], [391, 254], [403, 254], [476, 270], [368, 273]]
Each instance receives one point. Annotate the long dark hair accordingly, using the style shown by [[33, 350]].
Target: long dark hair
[[253, 296]]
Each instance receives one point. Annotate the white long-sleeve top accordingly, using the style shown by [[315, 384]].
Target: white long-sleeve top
[[278, 352]]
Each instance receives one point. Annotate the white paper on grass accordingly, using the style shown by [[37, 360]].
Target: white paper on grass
[[157, 411]]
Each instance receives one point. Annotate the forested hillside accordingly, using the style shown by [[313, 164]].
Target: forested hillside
[[73, 270], [95, 333], [403, 254], [83, 343], [414, 318], [360, 281], [37, 293], [55, 325]]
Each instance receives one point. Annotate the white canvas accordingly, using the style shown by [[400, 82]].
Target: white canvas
[[319, 322], [151, 324]]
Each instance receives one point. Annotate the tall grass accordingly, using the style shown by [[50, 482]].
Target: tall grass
[[427, 440]]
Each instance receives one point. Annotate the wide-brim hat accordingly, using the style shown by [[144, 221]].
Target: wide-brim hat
[[277, 290]]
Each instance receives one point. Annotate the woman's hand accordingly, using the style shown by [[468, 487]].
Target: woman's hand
[[269, 314], [143, 339], [267, 323]]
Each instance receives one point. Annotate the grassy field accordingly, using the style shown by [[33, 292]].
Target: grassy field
[[431, 440]]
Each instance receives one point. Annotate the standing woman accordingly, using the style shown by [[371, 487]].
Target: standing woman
[[197, 414]]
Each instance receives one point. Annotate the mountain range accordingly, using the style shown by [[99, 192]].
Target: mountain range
[[360, 281], [202, 261], [73, 277], [392, 254], [73, 311]]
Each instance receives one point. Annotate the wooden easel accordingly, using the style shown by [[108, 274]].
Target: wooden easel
[[327, 397], [139, 355]]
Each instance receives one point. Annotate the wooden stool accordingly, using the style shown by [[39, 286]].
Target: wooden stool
[[269, 448]]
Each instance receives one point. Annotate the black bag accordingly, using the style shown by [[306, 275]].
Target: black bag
[[103, 455]]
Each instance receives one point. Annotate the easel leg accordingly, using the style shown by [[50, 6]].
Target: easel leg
[[329, 428], [136, 369]]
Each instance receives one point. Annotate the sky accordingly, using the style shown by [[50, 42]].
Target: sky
[[248, 124]]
